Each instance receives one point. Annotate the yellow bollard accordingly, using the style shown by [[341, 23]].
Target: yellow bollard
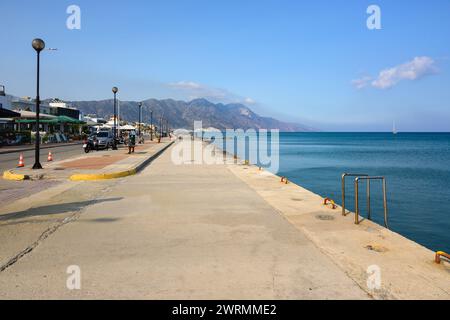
[[328, 200]]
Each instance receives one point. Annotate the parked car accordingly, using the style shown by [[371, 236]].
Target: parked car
[[105, 140]]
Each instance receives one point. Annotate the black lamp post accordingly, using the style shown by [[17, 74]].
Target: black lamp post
[[139, 125], [168, 128], [165, 126], [115, 90], [160, 129], [151, 125], [38, 45]]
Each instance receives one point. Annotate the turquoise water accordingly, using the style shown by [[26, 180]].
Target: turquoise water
[[416, 166]]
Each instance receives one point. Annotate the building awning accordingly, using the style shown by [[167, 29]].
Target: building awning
[[60, 119], [66, 119], [47, 121], [32, 115], [6, 113], [6, 120], [127, 127]]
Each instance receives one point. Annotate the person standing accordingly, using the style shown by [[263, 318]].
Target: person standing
[[131, 142]]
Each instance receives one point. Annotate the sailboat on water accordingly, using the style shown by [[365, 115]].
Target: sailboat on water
[[394, 129]]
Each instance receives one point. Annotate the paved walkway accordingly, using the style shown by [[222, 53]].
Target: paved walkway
[[178, 232]]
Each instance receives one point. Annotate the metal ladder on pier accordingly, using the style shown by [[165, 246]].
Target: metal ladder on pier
[[367, 179]]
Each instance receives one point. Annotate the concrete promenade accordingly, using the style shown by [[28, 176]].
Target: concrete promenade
[[190, 231]]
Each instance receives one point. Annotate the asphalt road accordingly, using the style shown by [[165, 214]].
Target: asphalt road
[[10, 160], [14, 190]]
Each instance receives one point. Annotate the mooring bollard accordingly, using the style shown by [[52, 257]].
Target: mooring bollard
[[328, 200]]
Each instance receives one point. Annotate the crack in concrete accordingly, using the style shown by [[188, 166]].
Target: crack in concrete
[[77, 213], [49, 231], [41, 238]]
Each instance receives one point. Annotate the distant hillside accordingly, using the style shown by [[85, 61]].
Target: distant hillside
[[182, 114]]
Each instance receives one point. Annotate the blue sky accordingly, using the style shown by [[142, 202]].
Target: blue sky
[[312, 62]]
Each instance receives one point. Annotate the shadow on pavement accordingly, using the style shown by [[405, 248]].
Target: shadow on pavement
[[53, 209]]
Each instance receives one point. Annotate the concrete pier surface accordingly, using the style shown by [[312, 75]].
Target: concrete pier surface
[[190, 231]]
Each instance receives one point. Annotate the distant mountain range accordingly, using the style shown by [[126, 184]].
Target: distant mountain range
[[182, 114]]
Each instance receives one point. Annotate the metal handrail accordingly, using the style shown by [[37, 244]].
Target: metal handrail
[[343, 187], [368, 179], [440, 254]]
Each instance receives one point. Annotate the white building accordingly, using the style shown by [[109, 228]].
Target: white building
[[94, 118], [61, 108], [5, 101], [56, 103], [29, 104]]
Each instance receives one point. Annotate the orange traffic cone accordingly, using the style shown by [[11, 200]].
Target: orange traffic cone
[[50, 156], [21, 162]]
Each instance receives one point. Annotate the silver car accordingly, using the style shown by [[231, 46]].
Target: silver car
[[105, 140]]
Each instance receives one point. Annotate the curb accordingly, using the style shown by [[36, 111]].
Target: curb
[[102, 176], [119, 174], [9, 175]]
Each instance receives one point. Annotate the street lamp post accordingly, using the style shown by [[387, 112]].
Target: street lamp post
[[115, 90], [167, 127], [151, 125], [160, 129], [38, 45], [139, 125]]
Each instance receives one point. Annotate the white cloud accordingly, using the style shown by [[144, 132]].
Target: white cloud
[[249, 101], [362, 82], [193, 90], [415, 69], [185, 85], [418, 68]]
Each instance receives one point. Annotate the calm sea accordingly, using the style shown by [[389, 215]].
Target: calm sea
[[416, 166]]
